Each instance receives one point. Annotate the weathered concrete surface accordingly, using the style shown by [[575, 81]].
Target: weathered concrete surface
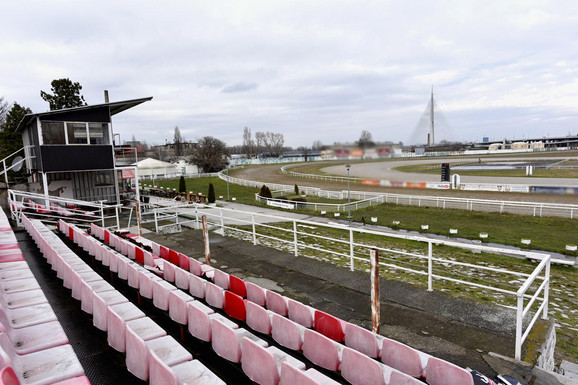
[[450, 328]]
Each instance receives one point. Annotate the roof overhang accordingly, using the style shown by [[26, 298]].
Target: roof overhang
[[114, 108]]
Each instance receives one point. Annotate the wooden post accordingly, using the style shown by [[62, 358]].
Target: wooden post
[[206, 238], [375, 302]]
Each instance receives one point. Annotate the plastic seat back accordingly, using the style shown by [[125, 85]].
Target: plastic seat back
[[440, 372], [300, 313], [359, 369], [276, 303], [330, 326], [8, 377], [257, 317], [403, 358], [362, 340], [255, 294], [321, 350], [259, 364], [235, 306], [287, 333], [237, 286]]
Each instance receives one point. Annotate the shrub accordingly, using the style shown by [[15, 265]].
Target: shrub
[[182, 185], [296, 189], [265, 192], [211, 195]]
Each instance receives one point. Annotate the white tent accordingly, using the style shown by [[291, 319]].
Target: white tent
[[150, 168]]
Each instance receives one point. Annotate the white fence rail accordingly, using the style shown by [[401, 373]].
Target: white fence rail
[[536, 209], [298, 237]]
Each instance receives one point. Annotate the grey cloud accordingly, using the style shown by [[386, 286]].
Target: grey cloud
[[239, 87]]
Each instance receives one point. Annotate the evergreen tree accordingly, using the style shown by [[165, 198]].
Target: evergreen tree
[[211, 196], [10, 140], [65, 94], [182, 185], [296, 189]]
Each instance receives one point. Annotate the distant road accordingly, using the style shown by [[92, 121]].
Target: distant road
[[385, 171]]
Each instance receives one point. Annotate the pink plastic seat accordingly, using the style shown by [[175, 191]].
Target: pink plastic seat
[[169, 271], [321, 350], [14, 265], [197, 286], [79, 278], [330, 326], [23, 299], [139, 331], [300, 313], [263, 365], [147, 282], [226, 341], [258, 318], [150, 259], [87, 290], [118, 316], [178, 306], [36, 337], [165, 352], [214, 295], [182, 278], [161, 290], [194, 372], [15, 274], [42, 367], [100, 303], [235, 306], [199, 322], [83, 380], [359, 369], [404, 358], [440, 372], [27, 316], [19, 285], [291, 375], [237, 286], [276, 303], [287, 333], [221, 279], [363, 340]]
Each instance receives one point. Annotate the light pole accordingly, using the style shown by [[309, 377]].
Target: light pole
[[348, 166], [228, 183]]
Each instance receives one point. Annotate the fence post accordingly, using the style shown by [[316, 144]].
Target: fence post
[[156, 222], [206, 240], [351, 249], [102, 213], [295, 237], [197, 216], [117, 217], [547, 289], [541, 207], [375, 302], [253, 226], [429, 266], [519, 310]]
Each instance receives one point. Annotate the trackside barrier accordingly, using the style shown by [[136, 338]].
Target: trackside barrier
[[298, 238], [536, 209]]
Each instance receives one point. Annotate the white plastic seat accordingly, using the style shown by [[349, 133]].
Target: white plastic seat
[[255, 293], [139, 331], [258, 318], [17, 265], [441, 372], [79, 278], [15, 274], [287, 333], [178, 306], [118, 316], [23, 299], [197, 286], [291, 375], [182, 278], [37, 337], [221, 279], [146, 283], [27, 316], [169, 271], [194, 372], [321, 350], [300, 313], [164, 352], [100, 303], [226, 341], [87, 290], [43, 367], [214, 295], [19, 285], [263, 365], [161, 290], [363, 340], [199, 322]]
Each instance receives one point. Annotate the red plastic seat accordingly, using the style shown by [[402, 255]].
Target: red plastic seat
[[174, 257], [164, 252], [330, 326], [184, 261], [139, 255], [235, 306], [237, 286]]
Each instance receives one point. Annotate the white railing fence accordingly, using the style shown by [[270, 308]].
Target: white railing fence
[[350, 246]]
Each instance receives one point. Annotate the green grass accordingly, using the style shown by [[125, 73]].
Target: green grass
[[538, 173]]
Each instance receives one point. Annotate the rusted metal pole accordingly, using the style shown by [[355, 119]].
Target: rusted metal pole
[[375, 303], [206, 238], [138, 218]]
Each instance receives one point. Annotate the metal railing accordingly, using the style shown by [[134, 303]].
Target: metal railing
[[352, 245], [25, 151], [50, 209]]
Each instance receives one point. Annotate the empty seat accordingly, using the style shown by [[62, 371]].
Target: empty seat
[[118, 316], [147, 282], [19, 285], [197, 286], [300, 313], [321, 350], [291, 375], [22, 299], [168, 271], [258, 318], [8, 275], [286, 332], [164, 252], [359, 369], [221, 279], [194, 372], [235, 306], [199, 322], [165, 352], [161, 290], [184, 262], [237, 286], [214, 295], [42, 367], [27, 316], [178, 306], [173, 257], [226, 340], [100, 303], [263, 365], [329, 326], [363, 340], [87, 290], [441, 372], [139, 255], [182, 278], [139, 331], [198, 268], [36, 337], [403, 358], [276, 303]]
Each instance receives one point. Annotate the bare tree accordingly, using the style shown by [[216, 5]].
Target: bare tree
[[248, 143], [4, 108], [365, 139], [272, 142], [178, 142], [259, 142], [210, 154], [317, 145]]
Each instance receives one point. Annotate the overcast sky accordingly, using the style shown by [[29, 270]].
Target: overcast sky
[[312, 70]]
